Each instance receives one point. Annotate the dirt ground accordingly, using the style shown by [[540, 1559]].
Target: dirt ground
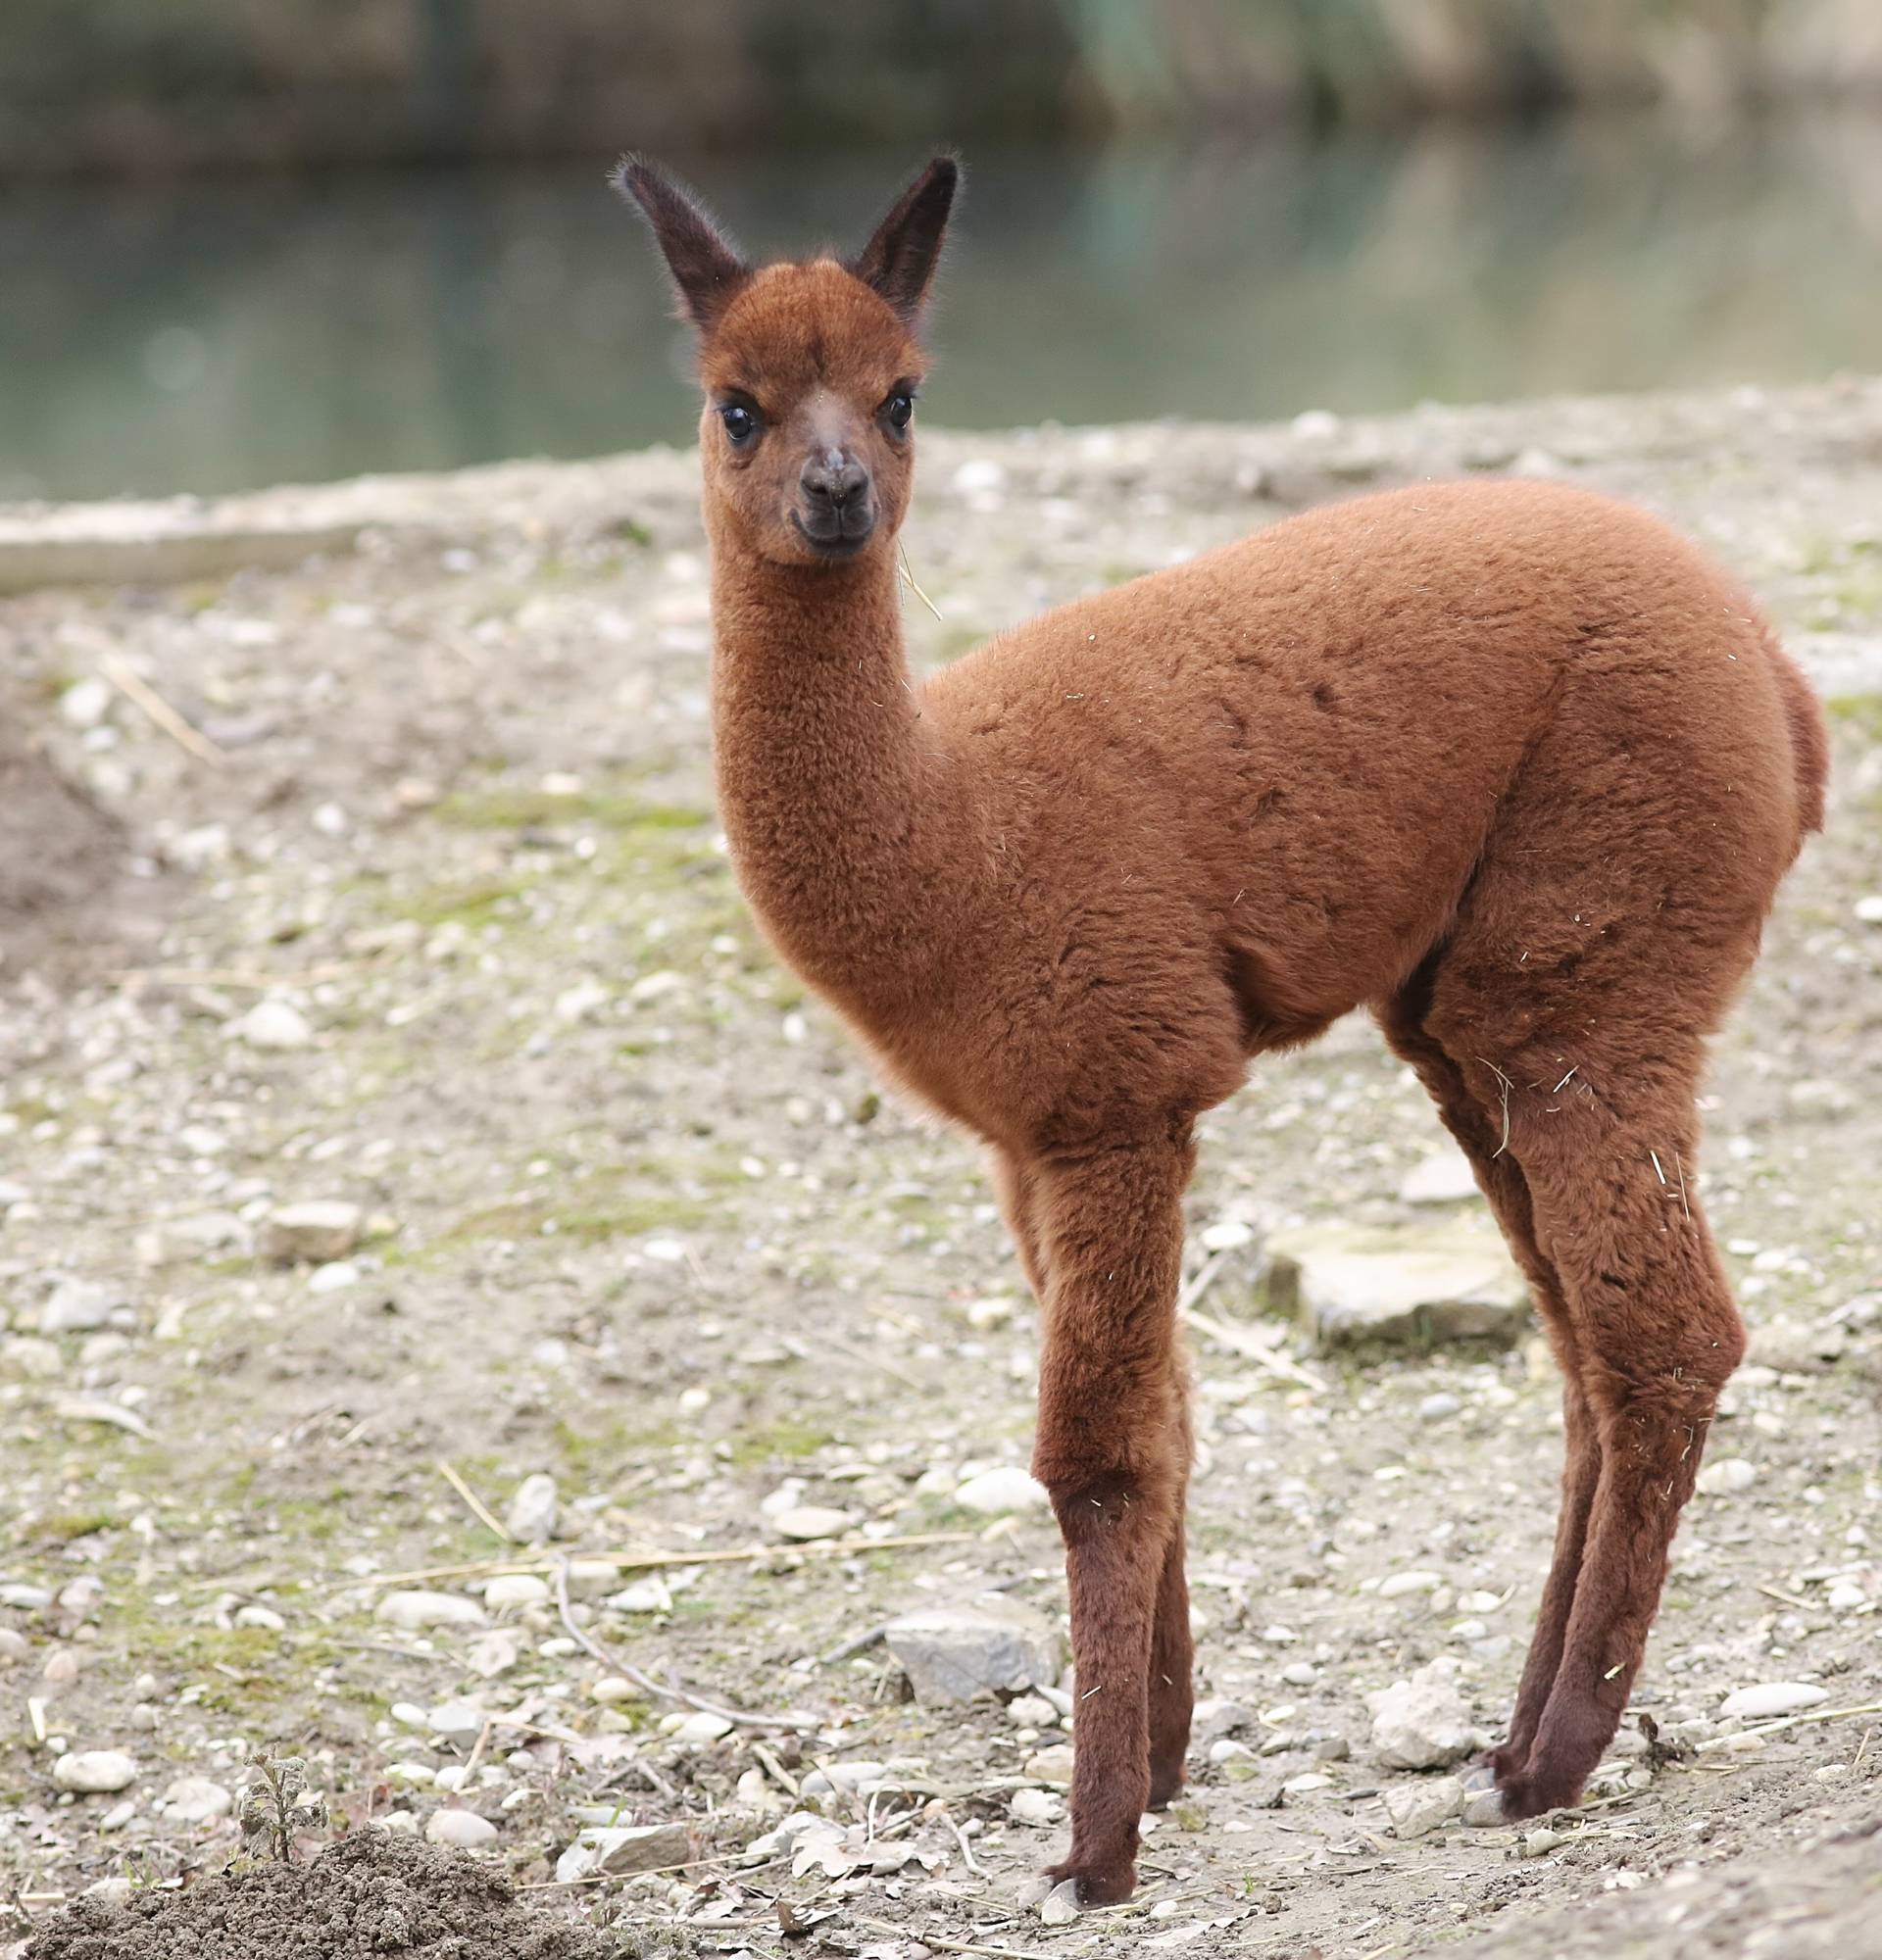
[[631, 1214]]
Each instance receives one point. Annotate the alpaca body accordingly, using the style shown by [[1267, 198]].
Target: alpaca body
[[1510, 764], [1206, 813]]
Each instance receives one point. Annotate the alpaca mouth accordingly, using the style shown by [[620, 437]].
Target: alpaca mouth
[[835, 534]]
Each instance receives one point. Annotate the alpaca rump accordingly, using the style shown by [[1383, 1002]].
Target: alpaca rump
[[1512, 765]]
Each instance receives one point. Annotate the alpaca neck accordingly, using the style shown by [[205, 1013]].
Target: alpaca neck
[[843, 829]]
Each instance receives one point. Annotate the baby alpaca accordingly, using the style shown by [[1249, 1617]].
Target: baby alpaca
[[1510, 764]]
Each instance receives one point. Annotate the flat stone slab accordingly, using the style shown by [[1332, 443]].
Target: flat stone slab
[[1413, 1283]]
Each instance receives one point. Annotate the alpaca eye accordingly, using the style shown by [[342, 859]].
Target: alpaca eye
[[900, 408], [740, 423]]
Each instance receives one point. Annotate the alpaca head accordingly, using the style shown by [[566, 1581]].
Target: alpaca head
[[809, 370]]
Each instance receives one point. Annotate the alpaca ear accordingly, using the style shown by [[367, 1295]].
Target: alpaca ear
[[706, 271], [899, 261]]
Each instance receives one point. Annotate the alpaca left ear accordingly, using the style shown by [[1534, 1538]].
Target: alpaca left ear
[[900, 258]]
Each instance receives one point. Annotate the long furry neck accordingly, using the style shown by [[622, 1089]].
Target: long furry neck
[[844, 820]]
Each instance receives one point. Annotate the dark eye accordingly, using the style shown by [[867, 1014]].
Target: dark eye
[[740, 423], [899, 408]]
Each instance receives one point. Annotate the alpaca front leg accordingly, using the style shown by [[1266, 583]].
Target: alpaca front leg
[[1113, 1452], [1173, 1688]]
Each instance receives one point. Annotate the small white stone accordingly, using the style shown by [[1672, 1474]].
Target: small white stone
[[275, 1026], [417, 1776], [807, 1522], [1726, 1477], [334, 1277], [1847, 1599], [1773, 1697], [1227, 1235], [86, 702], [534, 1509], [1402, 1583], [651, 1595], [94, 1772], [196, 1800], [462, 1719], [701, 1730], [414, 1611], [1418, 1808], [79, 1306], [315, 1232], [1869, 909], [461, 1828], [613, 1689], [1039, 1809], [997, 1493], [514, 1591]]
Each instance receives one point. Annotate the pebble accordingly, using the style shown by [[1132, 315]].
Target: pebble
[[418, 1775], [1869, 909], [514, 1591], [1483, 1809], [14, 1648], [1050, 1765], [1299, 1674], [461, 1828], [613, 1689], [334, 1277], [1418, 1808], [1036, 1808], [414, 1611], [806, 1523], [532, 1513], [1210, 1719], [640, 1848], [273, 1026], [196, 1800], [1024, 1711], [996, 1644], [86, 702], [462, 1719], [1773, 1697], [1847, 1599], [94, 1772], [1402, 1583], [1423, 1723], [79, 1306], [702, 1729], [1306, 1782], [1727, 1477], [1434, 1408], [997, 1493], [315, 1233], [1060, 1906], [651, 1595]]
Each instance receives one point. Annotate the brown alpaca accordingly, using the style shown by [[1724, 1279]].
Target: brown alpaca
[[1510, 764]]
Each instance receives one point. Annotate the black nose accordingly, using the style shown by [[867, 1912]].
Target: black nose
[[833, 480]]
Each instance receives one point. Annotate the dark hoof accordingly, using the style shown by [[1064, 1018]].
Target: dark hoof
[[1098, 1885], [1526, 1797], [1165, 1786]]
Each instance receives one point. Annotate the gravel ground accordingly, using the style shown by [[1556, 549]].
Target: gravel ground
[[429, 1119]]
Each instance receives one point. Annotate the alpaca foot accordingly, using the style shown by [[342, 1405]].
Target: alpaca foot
[[1531, 1793], [1166, 1783], [1097, 1884]]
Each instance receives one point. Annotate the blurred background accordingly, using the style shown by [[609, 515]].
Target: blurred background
[[242, 245]]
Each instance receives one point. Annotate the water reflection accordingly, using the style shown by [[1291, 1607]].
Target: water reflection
[[212, 336]]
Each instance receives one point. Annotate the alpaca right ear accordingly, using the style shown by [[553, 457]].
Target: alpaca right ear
[[707, 272]]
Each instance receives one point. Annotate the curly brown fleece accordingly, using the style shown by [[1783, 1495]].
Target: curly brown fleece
[[1510, 764]]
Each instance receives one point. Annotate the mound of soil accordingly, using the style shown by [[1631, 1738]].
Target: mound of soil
[[64, 862], [367, 1897]]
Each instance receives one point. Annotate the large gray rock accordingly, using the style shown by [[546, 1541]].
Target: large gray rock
[[1423, 1723], [1413, 1283], [952, 1653]]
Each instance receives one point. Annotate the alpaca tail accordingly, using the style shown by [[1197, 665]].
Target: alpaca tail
[[1810, 740]]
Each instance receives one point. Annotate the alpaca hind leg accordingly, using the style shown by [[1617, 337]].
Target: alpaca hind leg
[[1479, 1133], [1655, 1325], [1172, 1689], [1111, 1450]]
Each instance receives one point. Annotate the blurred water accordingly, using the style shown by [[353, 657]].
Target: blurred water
[[212, 335]]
